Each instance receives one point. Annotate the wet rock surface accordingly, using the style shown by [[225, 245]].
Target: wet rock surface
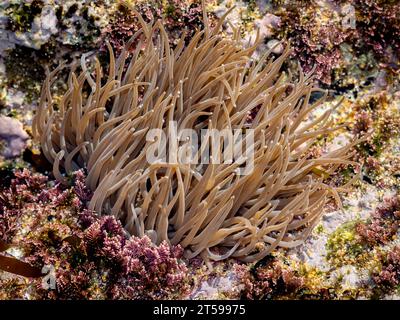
[[13, 137]]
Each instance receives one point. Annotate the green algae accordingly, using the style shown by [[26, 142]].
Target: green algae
[[344, 246], [23, 72], [21, 16]]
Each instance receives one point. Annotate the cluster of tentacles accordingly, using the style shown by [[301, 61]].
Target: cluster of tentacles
[[101, 124]]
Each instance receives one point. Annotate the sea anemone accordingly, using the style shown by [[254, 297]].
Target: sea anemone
[[102, 124]]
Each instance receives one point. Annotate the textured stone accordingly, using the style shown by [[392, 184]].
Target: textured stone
[[13, 137]]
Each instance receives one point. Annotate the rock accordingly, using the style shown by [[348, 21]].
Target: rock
[[215, 286], [267, 25], [276, 46], [40, 32], [48, 21], [13, 137], [271, 21]]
